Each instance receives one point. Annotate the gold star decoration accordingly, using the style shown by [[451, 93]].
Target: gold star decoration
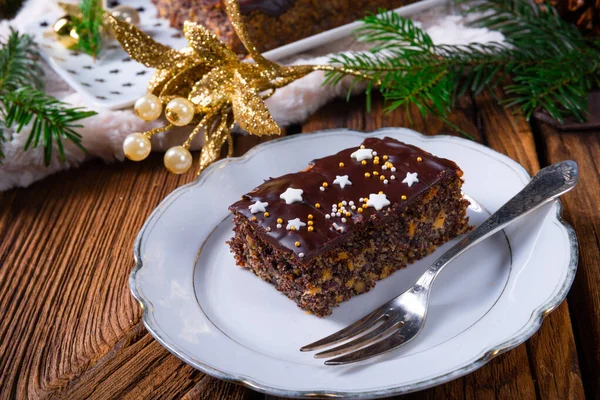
[[206, 85]]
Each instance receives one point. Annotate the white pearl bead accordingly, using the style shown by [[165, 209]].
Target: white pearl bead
[[179, 111], [136, 146], [127, 14], [178, 159], [148, 107]]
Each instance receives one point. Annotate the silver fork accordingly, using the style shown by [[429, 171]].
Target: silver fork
[[399, 320]]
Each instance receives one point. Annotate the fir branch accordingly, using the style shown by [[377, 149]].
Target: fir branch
[[22, 101], [89, 28], [19, 62], [542, 57], [52, 119]]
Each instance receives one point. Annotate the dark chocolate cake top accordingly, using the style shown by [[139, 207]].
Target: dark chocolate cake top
[[271, 7], [306, 212]]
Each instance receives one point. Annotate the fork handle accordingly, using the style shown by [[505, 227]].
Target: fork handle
[[548, 184]]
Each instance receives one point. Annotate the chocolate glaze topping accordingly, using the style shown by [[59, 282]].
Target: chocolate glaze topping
[[403, 157], [271, 7]]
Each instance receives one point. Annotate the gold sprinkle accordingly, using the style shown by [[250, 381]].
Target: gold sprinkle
[[325, 184], [363, 162], [419, 159], [403, 197], [310, 223], [382, 178], [362, 146], [381, 192], [365, 205], [297, 244], [253, 218], [311, 228], [385, 158], [292, 228], [317, 205], [266, 214], [367, 175], [280, 220], [389, 164], [360, 210], [340, 205], [376, 161], [348, 214], [310, 216], [341, 165], [375, 173]]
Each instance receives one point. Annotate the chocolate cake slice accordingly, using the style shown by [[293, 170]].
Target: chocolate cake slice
[[272, 23], [330, 232]]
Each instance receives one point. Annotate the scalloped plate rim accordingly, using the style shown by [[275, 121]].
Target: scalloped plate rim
[[526, 331]]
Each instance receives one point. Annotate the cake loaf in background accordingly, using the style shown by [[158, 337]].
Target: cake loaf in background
[[272, 23]]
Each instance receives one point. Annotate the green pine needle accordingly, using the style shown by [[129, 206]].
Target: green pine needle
[[89, 28], [19, 62], [550, 65], [22, 102], [52, 119]]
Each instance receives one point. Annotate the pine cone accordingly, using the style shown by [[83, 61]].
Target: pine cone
[[583, 13]]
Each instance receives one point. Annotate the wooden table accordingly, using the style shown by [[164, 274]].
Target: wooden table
[[70, 329]]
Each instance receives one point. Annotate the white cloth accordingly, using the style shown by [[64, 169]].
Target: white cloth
[[103, 134]]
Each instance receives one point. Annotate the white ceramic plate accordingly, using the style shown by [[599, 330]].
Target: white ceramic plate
[[115, 81], [228, 323]]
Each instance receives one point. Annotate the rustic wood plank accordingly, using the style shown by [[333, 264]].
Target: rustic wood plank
[[70, 329], [552, 351], [338, 114], [58, 315], [582, 210]]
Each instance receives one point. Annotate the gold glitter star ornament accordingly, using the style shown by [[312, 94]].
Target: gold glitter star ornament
[[205, 85]]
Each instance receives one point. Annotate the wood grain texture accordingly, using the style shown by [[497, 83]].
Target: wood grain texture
[[582, 210], [552, 351], [70, 329]]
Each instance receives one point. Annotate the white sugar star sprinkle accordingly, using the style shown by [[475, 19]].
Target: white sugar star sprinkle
[[295, 223], [291, 195], [411, 177], [362, 154], [343, 181], [338, 227], [258, 207], [378, 201]]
